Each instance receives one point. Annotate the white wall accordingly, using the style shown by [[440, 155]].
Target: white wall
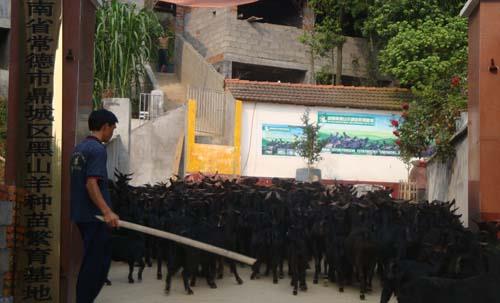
[[333, 166], [447, 181], [156, 147]]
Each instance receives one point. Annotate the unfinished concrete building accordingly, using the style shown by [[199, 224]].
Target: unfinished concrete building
[[260, 41]]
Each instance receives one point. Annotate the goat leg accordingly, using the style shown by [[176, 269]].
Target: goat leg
[[131, 271], [149, 250], [387, 291], [255, 270], [142, 265], [234, 270], [159, 260], [302, 275], [295, 280], [220, 268], [168, 282], [362, 286], [317, 268], [282, 273], [211, 269], [185, 279]]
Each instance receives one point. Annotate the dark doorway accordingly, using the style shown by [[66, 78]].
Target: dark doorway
[[282, 12], [253, 72], [4, 48]]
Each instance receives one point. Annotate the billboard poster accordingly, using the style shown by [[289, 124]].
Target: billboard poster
[[358, 134], [277, 139]]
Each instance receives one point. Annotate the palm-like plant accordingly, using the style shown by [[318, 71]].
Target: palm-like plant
[[125, 40]]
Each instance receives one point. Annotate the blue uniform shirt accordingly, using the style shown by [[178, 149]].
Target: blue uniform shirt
[[88, 161]]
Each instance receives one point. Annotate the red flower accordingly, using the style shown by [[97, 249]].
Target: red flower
[[405, 106], [395, 123], [396, 133], [455, 81], [398, 142], [422, 163]]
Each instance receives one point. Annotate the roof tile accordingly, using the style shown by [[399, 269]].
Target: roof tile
[[318, 95]]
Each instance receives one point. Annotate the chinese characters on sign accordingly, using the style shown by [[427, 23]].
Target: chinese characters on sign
[[345, 133], [35, 271], [358, 133]]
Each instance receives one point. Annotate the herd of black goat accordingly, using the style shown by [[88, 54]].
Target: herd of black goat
[[420, 251]]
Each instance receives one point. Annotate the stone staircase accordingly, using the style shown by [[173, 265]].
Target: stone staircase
[[175, 92]]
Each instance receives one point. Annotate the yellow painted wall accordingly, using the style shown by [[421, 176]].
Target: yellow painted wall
[[207, 158]]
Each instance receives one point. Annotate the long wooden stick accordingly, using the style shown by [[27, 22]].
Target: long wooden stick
[[186, 241]]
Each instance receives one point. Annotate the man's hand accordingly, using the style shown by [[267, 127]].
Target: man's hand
[[112, 219], [96, 196]]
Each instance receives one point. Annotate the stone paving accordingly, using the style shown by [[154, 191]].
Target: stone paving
[[257, 291]]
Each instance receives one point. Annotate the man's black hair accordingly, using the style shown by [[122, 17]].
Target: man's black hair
[[101, 117]]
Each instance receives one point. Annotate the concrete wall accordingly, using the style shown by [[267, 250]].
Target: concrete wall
[[4, 83], [192, 69], [5, 13], [122, 109], [118, 158], [156, 148], [221, 37], [448, 180], [6, 236], [118, 148], [139, 3], [208, 33], [333, 166]]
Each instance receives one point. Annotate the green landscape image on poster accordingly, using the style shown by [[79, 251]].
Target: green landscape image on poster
[[277, 139], [358, 134]]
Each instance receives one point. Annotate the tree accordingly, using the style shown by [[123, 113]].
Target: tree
[[420, 56], [309, 145], [329, 36], [384, 17], [429, 56], [336, 19], [125, 40]]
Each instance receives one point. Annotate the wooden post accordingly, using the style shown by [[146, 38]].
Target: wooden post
[[186, 241]]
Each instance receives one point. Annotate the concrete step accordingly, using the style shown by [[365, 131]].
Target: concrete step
[[175, 91]]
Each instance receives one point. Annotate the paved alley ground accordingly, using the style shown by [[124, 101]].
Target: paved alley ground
[[257, 291]]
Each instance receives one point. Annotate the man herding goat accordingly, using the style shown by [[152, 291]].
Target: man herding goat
[[90, 197]]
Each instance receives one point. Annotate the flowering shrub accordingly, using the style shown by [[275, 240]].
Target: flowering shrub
[[428, 122]]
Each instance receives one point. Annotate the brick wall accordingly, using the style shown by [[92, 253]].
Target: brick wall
[[207, 30], [7, 233], [217, 33]]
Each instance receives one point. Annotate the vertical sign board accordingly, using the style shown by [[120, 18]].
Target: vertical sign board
[[37, 250]]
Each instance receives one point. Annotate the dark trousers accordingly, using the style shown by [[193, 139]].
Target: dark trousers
[[96, 238], [162, 60]]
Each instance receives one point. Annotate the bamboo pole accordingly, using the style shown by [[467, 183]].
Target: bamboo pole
[[186, 241]]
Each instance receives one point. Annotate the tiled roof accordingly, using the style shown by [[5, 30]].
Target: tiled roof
[[318, 95]]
